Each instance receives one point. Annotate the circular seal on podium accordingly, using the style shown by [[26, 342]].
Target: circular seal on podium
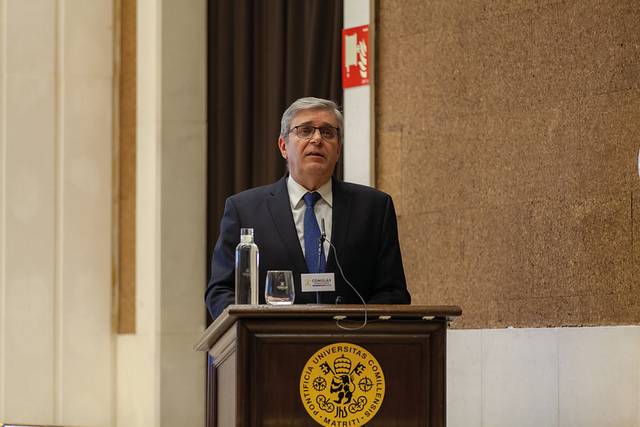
[[342, 384]]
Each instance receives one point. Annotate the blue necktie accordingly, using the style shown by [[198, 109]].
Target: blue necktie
[[313, 250]]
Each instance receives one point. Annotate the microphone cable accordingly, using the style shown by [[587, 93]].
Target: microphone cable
[[320, 240], [323, 238]]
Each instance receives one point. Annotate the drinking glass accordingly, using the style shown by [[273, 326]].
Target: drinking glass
[[278, 289]]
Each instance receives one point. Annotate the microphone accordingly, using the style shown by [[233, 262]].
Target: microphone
[[320, 242], [323, 238], [323, 235]]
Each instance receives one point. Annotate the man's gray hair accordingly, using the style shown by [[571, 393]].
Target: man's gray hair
[[309, 103]]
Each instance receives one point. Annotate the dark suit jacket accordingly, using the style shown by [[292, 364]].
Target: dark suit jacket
[[364, 233]]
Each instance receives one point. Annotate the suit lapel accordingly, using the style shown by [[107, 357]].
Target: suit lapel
[[280, 210], [340, 221]]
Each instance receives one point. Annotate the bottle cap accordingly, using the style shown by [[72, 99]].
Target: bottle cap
[[246, 235]]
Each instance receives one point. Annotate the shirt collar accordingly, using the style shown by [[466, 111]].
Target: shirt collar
[[297, 192]]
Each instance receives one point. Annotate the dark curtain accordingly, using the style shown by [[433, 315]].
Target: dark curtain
[[262, 56]]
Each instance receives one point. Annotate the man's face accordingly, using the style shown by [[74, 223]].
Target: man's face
[[311, 160]]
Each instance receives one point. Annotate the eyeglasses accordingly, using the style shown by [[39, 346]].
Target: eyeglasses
[[328, 133]]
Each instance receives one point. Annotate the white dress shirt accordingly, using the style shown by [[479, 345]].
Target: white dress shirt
[[322, 208]]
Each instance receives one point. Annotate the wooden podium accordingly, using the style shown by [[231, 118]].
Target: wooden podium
[[257, 355]]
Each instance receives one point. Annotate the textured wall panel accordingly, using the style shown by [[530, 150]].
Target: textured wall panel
[[29, 197], [56, 354], [29, 247], [507, 133]]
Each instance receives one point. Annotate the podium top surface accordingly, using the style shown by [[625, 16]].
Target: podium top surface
[[312, 311]]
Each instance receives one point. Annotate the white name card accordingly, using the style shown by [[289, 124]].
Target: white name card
[[318, 282]]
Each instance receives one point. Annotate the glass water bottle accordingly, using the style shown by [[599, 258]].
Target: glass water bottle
[[246, 268]]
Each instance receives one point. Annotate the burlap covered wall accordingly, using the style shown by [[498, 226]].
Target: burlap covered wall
[[508, 134]]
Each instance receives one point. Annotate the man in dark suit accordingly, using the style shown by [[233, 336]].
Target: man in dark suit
[[360, 221]]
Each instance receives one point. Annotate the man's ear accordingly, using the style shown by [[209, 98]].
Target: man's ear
[[282, 145]]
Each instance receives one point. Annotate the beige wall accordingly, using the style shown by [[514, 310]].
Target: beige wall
[[508, 135], [60, 362], [161, 380], [56, 360]]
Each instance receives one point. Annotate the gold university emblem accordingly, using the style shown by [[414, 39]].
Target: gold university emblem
[[342, 385]]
